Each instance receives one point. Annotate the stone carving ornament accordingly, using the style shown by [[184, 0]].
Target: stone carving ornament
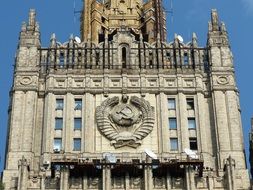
[[125, 122]]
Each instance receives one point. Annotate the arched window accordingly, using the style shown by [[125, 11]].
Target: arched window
[[124, 57]]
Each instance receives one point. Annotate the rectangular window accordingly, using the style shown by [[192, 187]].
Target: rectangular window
[[77, 123], [171, 104], [190, 103], [58, 123], [193, 144], [77, 144], [186, 59], [57, 144], [191, 123], [172, 123], [78, 104], [173, 144], [59, 104]]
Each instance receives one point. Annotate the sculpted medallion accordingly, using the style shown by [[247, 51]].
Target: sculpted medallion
[[125, 122]]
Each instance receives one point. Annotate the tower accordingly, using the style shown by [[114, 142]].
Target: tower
[[123, 108]]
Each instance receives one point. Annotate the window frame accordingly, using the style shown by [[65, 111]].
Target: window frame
[[175, 140], [76, 103], [169, 121], [174, 103], [56, 144], [59, 106], [193, 140], [189, 124], [56, 123], [78, 119], [190, 104], [79, 140]]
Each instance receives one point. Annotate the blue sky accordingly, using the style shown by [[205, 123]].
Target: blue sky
[[189, 16]]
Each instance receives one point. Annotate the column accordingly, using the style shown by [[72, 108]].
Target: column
[[189, 177], [182, 118], [148, 175], [64, 182], [85, 180], [107, 178], [168, 181]]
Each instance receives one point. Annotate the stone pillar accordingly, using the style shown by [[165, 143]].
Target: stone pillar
[[107, 184], [189, 177], [168, 181], [182, 118], [85, 180], [230, 174], [64, 182], [148, 175], [127, 181], [67, 136], [89, 128], [42, 182], [22, 174], [210, 181]]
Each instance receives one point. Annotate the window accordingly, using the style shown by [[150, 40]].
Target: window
[[190, 103], [168, 56], [173, 144], [57, 144], [191, 123], [124, 58], [172, 123], [58, 123], [78, 104], [61, 59], [171, 104], [77, 123], [77, 144], [193, 144], [59, 104], [186, 59]]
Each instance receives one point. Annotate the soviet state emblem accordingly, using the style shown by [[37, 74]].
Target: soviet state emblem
[[125, 122]]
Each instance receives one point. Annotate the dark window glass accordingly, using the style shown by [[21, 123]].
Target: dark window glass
[[58, 123], [173, 144], [172, 123], [77, 144], [193, 144], [124, 57], [61, 59], [59, 104], [190, 103], [77, 123], [186, 59], [78, 104]]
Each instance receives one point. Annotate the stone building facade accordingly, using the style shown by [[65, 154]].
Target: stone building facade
[[125, 109]]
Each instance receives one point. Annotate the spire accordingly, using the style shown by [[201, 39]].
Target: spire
[[30, 31]]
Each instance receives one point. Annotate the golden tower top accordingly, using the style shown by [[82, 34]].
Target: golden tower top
[[100, 20]]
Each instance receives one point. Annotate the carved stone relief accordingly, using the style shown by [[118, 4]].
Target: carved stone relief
[[125, 122], [136, 183]]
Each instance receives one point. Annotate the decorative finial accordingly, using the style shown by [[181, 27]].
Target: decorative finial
[[215, 20], [32, 17], [53, 40], [223, 27], [194, 40]]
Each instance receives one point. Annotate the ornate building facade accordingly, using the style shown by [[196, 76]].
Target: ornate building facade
[[123, 108]]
